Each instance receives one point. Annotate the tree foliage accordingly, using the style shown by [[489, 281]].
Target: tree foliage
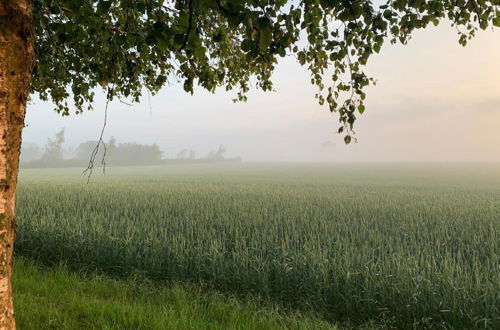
[[120, 154], [54, 148], [127, 46]]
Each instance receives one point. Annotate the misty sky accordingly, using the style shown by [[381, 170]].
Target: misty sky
[[434, 101]]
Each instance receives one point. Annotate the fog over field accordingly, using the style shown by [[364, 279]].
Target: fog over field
[[435, 101]]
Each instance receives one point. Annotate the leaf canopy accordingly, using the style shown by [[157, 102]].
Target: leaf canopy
[[127, 46]]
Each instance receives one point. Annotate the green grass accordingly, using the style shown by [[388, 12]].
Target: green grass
[[410, 245], [58, 299]]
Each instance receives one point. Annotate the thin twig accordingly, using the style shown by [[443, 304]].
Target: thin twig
[[150, 107], [124, 102], [90, 167]]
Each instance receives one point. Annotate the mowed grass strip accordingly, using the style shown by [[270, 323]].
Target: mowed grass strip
[[414, 246], [58, 299]]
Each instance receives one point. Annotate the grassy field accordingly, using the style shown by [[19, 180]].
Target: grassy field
[[409, 246], [56, 298]]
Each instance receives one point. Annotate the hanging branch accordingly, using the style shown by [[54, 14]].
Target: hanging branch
[[90, 167]]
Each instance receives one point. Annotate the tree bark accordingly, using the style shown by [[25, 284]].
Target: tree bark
[[16, 64]]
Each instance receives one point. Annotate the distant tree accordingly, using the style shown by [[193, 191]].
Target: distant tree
[[68, 152], [111, 145], [217, 154], [127, 46], [54, 148], [29, 152], [192, 154], [85, 149], [135, 154], [122, 153]]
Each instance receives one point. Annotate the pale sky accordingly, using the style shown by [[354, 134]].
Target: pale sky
[[434, 101]]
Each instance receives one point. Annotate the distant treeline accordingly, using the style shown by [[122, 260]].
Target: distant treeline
[[114, 154]]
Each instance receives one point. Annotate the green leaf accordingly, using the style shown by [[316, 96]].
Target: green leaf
[[247, 45], [496, 20], [218, 37], [103, 7], [178, 40], [162, 44], [265, 39]]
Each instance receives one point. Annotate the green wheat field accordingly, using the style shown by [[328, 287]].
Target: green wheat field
[[399, 245]]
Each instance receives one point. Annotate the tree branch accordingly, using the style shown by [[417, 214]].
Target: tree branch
[[190, 25]]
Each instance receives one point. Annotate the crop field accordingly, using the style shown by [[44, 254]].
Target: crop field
[[410, 246]]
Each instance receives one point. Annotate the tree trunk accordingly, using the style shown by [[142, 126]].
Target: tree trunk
[[16, 64]]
